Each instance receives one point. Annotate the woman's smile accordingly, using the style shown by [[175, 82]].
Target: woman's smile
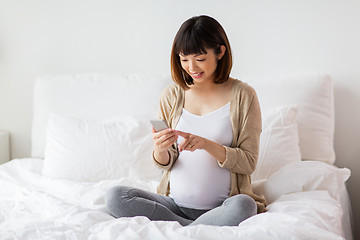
[[197, 75]]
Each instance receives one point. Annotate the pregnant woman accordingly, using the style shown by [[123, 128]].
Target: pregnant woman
[[211, 146]]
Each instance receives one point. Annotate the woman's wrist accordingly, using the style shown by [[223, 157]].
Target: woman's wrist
[[163, 158], [216, 150]]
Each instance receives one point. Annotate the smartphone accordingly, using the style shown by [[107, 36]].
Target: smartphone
[[159, 125]]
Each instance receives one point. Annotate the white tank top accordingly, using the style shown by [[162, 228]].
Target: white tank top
[[196, 179]]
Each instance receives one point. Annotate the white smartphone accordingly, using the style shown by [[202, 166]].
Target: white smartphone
[[159, 125]]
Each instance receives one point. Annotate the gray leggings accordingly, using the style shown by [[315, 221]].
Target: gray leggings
[[123, 201]]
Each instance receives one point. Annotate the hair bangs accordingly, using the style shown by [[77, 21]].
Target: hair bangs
[[190, 43]]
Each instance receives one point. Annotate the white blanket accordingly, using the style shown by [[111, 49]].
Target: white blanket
[[36, 207]]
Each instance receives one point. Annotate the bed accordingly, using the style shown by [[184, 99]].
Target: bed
[[90, 133]]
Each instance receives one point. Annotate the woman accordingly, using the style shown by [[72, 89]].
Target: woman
[[211, 145]]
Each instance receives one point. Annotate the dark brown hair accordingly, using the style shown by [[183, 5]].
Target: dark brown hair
[[194, 36]]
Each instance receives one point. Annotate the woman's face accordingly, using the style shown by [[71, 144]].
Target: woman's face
[[201, 67]]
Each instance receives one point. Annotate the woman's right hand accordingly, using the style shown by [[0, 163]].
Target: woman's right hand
[[163, 140]]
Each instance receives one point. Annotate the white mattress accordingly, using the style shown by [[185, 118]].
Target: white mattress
[[33, 206]]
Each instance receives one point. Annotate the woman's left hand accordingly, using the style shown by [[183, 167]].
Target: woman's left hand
[[191, 142]]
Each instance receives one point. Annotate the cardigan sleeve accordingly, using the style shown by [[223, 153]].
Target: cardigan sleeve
[[242, 156], [167, 102]]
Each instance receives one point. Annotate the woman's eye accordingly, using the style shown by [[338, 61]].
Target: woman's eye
[[201, 60], [184, 60]]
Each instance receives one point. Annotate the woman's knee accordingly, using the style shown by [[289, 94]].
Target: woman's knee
[[115, 200], [243, 203], [115, 193]]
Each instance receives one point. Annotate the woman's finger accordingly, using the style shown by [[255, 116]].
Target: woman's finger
[[157, 135], [191, 143], [164, 139], [168, 142], [183, 134], [184, 145]]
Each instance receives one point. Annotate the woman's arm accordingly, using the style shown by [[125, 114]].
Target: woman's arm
[[236, 159], [165, 152], [163, 141], [242, 157]]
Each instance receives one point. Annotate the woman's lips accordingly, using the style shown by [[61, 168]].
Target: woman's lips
[[197, 75]]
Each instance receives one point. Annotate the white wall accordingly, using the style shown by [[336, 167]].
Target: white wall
[[112, 36]]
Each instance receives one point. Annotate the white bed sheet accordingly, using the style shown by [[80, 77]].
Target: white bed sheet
[[36, 207]]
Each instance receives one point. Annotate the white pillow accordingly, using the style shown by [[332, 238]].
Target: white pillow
[[93, 97], [313, 94], [279, 142], [300, 177], [96, 150]]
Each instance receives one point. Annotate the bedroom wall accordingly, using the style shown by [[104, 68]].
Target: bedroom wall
[[268, 37]]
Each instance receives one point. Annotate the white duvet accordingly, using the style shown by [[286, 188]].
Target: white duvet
[[36, 207]]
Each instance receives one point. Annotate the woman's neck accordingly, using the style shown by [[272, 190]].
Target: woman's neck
[[202, 99], [209, 88]]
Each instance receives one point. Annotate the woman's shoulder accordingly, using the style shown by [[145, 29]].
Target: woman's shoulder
[[171, 88], [170, 92], [243, 88]]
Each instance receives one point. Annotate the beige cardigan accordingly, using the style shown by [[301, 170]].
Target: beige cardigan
[[241, 156]]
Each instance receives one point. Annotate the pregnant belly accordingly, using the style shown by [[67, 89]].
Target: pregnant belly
[[197, 181]]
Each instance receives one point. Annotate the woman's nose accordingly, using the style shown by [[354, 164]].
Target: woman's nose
[[192, 66]]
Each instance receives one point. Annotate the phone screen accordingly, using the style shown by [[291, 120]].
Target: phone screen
[[159, 125]]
